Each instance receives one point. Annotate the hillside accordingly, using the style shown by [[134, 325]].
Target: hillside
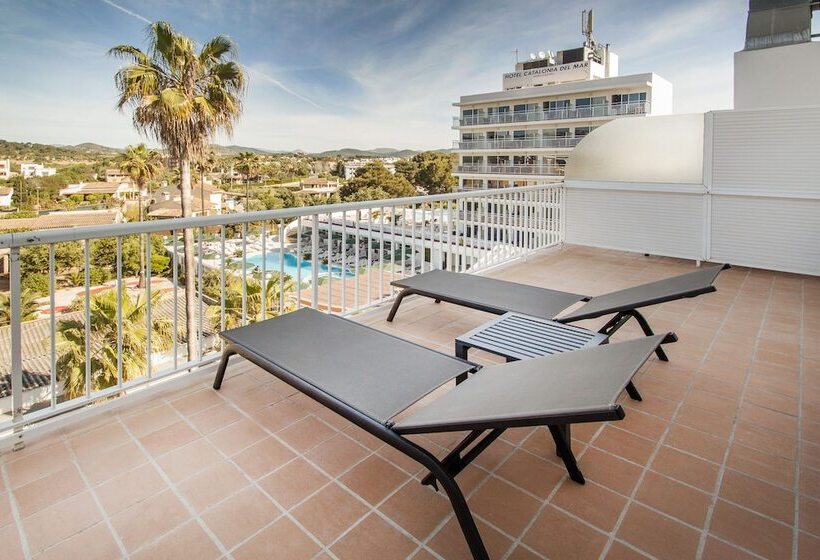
[[377, 152]]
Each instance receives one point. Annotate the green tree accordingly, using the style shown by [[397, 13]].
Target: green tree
[[367, 193], [142, 165], [205, 163], [374, 175], [104, 255], [182, 98], [103, 330], [255, 300], [67, 256], [29, 309], [431, 171], [247, 163]]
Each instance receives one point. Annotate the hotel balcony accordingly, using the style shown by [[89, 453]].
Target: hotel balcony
[[517, 144], [591, 112], [720, 459], [546, 170]]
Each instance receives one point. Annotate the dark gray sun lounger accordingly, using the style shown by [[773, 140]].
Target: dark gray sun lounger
[[373, 379], [499, 297]]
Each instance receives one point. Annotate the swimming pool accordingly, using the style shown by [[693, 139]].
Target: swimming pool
[[291, 266]]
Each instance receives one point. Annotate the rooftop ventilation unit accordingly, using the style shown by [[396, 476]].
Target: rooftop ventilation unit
[[774, 23]]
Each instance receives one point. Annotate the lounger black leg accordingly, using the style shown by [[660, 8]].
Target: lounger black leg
[[400, 296], [563, 446], [647, 330], [633, 392], [464, 517], [223, 363]]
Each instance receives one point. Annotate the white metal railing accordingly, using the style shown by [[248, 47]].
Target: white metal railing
[[537, 169], [592, 111], [90, 337], [517, 143]]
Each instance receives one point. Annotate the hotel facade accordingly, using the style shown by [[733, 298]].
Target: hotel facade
[[524, 134]]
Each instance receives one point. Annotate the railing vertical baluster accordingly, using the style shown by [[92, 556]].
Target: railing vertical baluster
[[200, 270], [413, 237], [16, 334], [381, 252], [52, 312], [392, 245], [314, 261], [264, 279], [149, 323], [329, 272], [175, 280], [369, 254], [119, 312], [299, 262], [357, 256], [244, 273], [281, 267], [450, 235], [87, 305], [224, 264], [344, 261]]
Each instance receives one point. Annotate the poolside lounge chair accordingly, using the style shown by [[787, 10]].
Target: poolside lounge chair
[[500, 296], [373, 379]]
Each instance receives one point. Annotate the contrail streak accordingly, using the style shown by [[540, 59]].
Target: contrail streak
[[127, 11], [262, 75]]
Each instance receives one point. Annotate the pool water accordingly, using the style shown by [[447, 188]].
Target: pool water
[[291, 266]]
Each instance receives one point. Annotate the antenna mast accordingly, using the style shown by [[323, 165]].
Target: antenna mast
[[586, 28]]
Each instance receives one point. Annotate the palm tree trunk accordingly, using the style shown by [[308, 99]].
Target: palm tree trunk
[[189, 265]]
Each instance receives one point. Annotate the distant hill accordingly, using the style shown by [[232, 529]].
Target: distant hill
[[377, 152], [92, 148], [232, 150]]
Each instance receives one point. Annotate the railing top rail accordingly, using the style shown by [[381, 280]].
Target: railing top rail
[[59, 235]]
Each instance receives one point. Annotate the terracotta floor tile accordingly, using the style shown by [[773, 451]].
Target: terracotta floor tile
[[99, 439], [705, 421], [283, 540], [808, 547], [109, 463], [373, 539], [186, 541], [306, 434], [696, 442], [531, 473], [685, 468], [769, 419], [762, 439], [149, 519], [521, 553], [94, 543], [610, 471], [621, 551], [237, 436], [673, 498], [504, 506], [418, 509], [450, 544], [212, 485], [144, 421], [400, 460], [772, 400], [329, 513], [293, 482], [658, 535], [556, 535], [771, 468], [280, 415], [188, 460], [719, 550], [240, 516], [168, 438], [373, 479], [624, 444], [125, 490], [758, 496], [29, 467], [214, 418], [60, 521], [591, 502], [642, 424], [494, 455], [263, 457], [337, 454], [12, 548], [196, 401], [751, 531], [810, 515], [48, 490], [810, 483], [6, 516]]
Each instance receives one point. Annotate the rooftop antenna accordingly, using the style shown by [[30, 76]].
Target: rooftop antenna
[[586, 28], [516, 55]]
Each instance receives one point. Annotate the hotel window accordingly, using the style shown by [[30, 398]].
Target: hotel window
[[471, 184], [558, 105], [525, 160], [498, 160], [472, 160], [498, 110], [498, 135], [624, 98], [497, 184], [522, 134], [581, 131]]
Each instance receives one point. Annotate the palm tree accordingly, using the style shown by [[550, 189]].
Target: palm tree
[[103, 343], [142, 165], [182, 98], [205, 164], [29, 309], [254, 300], [246, 164]]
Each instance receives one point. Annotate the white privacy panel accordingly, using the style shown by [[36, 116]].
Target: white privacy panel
[[764, 232], [656, 222]]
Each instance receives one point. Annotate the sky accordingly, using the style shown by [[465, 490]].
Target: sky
[[328, 74]]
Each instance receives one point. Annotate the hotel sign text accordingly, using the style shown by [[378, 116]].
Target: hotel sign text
[[534, 76]]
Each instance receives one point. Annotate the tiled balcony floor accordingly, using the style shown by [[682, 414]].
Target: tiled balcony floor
[[721, 459]]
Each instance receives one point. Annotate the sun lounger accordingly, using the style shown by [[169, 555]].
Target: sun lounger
[[373, 380], [499, 297]]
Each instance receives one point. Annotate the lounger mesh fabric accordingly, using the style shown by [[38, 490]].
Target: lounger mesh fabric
[[489, 294], [373, 372]]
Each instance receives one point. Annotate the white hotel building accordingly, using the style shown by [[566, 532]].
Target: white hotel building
[[524, 134]]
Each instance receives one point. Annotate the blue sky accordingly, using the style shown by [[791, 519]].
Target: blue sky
[[328, 74]]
